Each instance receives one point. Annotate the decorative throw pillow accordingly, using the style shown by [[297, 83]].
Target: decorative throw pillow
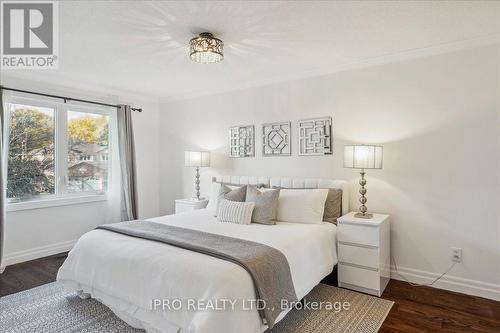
[[238, 195], [218, 189], [333, 205], [266, 204], [235, 212], [302, 206]]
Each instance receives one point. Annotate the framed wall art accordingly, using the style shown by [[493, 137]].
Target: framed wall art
[[242, 141], [276, 139], [315, 136]]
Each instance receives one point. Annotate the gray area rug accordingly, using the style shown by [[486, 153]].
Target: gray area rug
[[48, 309]]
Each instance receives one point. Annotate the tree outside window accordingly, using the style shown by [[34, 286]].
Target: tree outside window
[[31, 152], [35, 159]]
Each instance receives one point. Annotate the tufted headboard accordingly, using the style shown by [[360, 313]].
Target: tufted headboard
[[293, 183]]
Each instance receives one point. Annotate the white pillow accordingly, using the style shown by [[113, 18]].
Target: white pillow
[[235, 211], [214, 196], [301, 205]]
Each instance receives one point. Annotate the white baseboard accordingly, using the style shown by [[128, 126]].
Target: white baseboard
[[37, 252], [449, 282]]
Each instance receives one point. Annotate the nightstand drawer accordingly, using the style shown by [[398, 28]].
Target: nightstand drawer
[[358, 234], [359, 276], [362, 256]]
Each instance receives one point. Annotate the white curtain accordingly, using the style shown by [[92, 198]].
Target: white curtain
[[114, 184]]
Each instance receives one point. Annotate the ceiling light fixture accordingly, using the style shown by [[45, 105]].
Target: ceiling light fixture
[[206, 49]]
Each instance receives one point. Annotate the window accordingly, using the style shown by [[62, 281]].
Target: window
[[56, 151], [87, 138], [31, 167]]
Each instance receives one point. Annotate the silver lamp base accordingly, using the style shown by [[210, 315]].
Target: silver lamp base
[[197, 182], [362, 209]]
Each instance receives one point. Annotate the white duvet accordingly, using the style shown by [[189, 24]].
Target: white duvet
[[127, 273]]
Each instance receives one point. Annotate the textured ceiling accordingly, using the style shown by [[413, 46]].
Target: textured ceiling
[[141, 47]]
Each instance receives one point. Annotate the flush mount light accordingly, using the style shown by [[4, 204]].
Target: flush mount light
[[206, 49]]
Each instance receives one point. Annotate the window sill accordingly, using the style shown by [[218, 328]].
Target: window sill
[[55, 202]]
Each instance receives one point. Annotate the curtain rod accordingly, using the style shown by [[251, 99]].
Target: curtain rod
[[66, 99]]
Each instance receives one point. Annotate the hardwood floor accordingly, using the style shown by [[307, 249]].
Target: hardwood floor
[[416, 309], [425, 309], [30, 274]]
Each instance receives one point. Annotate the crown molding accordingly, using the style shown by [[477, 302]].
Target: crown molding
[[64, 86]]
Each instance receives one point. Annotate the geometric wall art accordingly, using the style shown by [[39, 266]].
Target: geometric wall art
[[315, 136], [276, 140], [242, 141]]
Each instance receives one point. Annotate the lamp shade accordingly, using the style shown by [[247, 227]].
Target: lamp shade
[[197, 158], [363, 157]]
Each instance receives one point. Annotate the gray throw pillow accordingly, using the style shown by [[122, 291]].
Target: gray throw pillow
[[238, 194], [333, 204], [266, 204]]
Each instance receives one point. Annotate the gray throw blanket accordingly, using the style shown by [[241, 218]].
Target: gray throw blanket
[[267, 266]]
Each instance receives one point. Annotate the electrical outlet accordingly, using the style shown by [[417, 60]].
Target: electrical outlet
[[456, 254]]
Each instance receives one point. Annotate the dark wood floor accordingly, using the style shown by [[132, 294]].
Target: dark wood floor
[[416, 309], [30, 274]]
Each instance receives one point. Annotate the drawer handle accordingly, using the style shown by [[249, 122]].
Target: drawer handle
[[359, 245], [358, 266]]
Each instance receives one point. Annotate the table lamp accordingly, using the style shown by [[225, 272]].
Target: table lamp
[[363, 157], [197, 159]]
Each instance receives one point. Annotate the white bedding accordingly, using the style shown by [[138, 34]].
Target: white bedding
[[127, 273]]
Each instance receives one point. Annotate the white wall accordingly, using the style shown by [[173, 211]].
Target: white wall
[[36, 233], [439, 121]]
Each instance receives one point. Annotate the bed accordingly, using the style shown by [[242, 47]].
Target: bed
[[130, 274]]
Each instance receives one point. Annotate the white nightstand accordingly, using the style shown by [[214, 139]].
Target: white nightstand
[[364, 253], [185, 205]]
